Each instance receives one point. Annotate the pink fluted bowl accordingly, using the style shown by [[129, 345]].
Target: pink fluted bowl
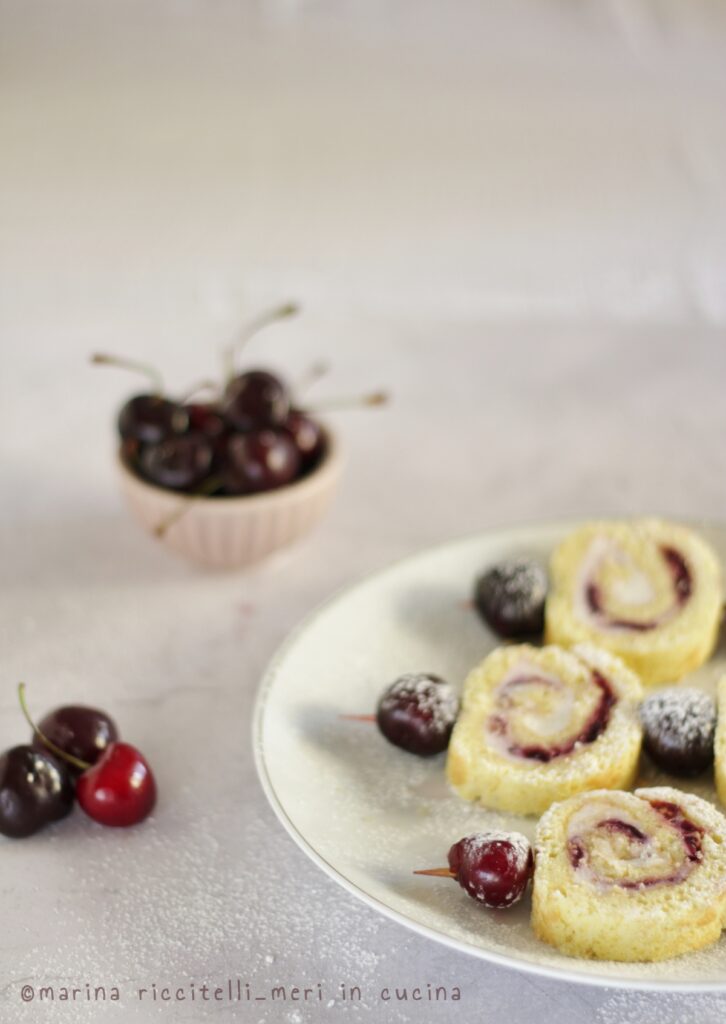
[[228, 533]]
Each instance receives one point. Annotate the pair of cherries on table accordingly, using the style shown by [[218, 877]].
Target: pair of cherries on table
[[75, 754], [250, 437]]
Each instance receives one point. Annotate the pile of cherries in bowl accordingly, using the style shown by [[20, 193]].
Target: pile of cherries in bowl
[[249, 437]]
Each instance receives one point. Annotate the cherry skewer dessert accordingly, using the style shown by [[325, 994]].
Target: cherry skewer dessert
[[115, 786], [493, 867], [416, 712]]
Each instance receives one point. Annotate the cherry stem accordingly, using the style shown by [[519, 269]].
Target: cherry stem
[[263, 320], [202, 385], [375, 398], [437, 872], [311, 376], [205, 490], [69, 758], [103, 359], [358, 718]]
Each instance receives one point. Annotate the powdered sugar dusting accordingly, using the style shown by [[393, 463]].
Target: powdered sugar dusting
[[519, 843], [684, 712], [430, 693]]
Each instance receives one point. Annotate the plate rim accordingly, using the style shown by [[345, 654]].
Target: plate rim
[[442, 938]]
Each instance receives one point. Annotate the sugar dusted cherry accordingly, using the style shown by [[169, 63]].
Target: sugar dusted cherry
[[417, 713], [510, 597], [493, 867], [679, 727]]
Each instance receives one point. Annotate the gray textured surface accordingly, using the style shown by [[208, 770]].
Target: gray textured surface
[[515, 221]]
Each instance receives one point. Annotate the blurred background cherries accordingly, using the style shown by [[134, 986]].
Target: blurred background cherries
[[246, 436]]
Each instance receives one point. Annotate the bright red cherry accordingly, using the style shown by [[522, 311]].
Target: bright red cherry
[[493, 867], [119, 790]]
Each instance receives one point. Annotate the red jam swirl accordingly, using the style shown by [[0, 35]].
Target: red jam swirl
[[593, 727], [682, 587], [691, 835]]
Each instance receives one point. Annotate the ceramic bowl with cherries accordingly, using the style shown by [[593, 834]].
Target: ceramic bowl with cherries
[[235, 469]]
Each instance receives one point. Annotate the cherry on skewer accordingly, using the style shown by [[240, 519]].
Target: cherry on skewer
[[416, 713], [118, 790], [493, 867]]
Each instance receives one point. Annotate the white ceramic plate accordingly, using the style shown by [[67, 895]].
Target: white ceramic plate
[[368, 813]]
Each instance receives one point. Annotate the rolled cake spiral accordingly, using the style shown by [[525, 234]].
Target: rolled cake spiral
[[539, 724], [630, 876], [649, 591]]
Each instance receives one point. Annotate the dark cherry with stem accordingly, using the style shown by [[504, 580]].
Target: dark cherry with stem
[[35, 790], [258, 461], [146, 418], [178, 463], [206, 418], [256, 398], [118, 790], [493, 867], [307, 435], [84, 733]]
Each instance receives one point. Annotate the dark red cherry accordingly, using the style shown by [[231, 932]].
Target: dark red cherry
[[35, 789], [417, 713], [84, 733], [307, 434], [679, 727], [510, 597], [255, 399], [205, 419], [119, 790], [259, 461], [151, 418], [493, 867], [179, 463]]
